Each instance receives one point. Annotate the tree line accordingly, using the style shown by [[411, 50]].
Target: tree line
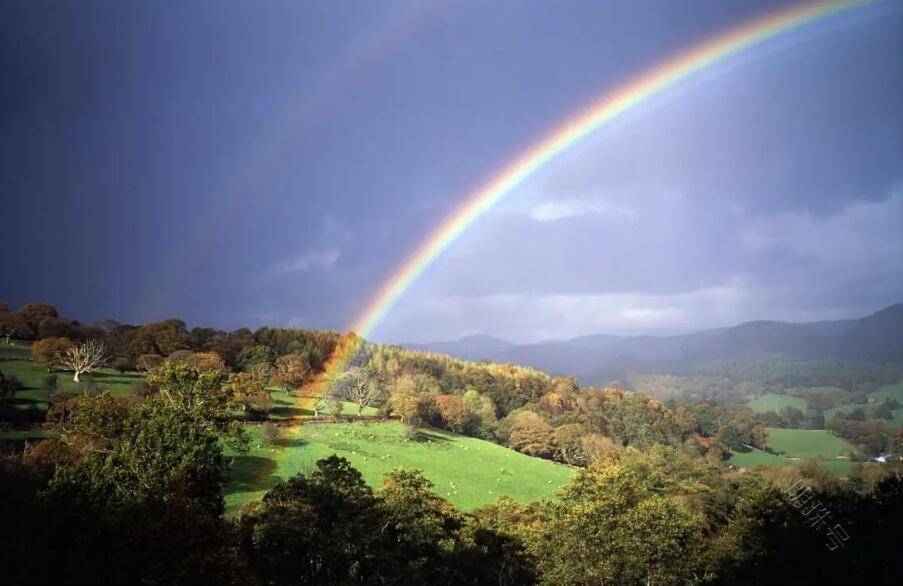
[[130, 491], [130, 488]]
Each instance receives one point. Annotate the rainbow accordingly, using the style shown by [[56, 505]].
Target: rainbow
[[605, 109]]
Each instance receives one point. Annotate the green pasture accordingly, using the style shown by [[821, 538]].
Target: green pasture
[[808, 443], [897, 420], [834, 412], [467, 471], [754, 458], [15, 359], [775, 402]]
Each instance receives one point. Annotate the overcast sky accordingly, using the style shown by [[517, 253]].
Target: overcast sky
[[271, 163]]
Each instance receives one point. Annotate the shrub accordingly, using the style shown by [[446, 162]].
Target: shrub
[[335, 407], [123, 365], [148, 362], [270, 433], [142, 390]]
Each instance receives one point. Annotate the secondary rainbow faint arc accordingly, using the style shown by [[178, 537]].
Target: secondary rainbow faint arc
[[605, 109]]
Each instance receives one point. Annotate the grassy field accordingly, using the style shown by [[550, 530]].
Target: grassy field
[[833, 413], [774, 402], [808, 443], [754, 458], [15, 359], [286, 406], [846, 409], [842, 467], [467, 471]]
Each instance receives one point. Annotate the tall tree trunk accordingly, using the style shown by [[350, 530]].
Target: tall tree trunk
[[75, 378]]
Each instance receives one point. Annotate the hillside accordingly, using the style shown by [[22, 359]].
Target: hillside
[[475, 347], [599, 359], [878, 337], [467, 471]]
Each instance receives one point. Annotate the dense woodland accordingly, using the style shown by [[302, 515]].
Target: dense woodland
[[130, 487]]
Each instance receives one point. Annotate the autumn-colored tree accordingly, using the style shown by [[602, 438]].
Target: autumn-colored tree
[[601, 450], [569, 446], [55, 327], [413, 399], [34, 313], [161, 338], [49, 352], [180, 357], [529, 433], [453, 412], [250, 390], [289, 371], [148, 362], [188, 389], [413, 409], [88, 422], [13, 325], [554, 403], [206, 361]]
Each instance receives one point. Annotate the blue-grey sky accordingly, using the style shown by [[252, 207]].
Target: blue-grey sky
[[271, 163]]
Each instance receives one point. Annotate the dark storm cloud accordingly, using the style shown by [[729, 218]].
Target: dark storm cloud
[[273, 163]]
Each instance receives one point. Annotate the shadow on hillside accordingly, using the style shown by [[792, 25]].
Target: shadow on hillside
[[286, 412], [125, 377], [293, 442], [426, 437], [251, 473]]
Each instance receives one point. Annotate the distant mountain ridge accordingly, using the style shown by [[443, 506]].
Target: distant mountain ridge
[[474, 347], [597, 358]]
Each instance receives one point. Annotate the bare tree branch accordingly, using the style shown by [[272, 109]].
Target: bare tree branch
[[85, 357], [360, 388]]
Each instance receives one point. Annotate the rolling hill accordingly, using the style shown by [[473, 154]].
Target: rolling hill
[[598, 359], [467, 471]]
